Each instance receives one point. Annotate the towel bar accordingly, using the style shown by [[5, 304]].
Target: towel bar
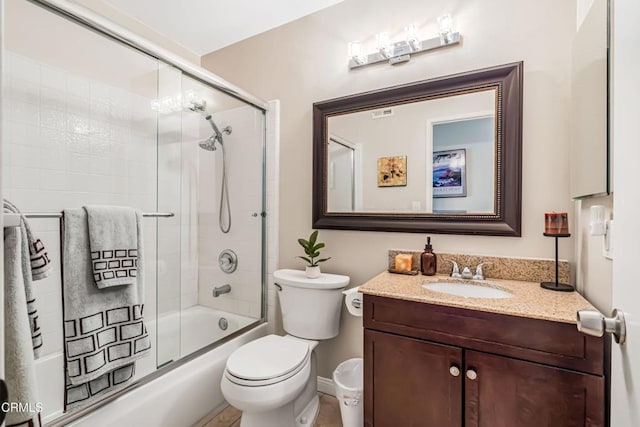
[[13, 220]]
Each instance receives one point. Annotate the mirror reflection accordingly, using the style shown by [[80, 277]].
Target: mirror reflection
[[436, 156]]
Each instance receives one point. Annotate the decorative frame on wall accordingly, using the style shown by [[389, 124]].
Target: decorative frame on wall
[[449, 176], [506, 80], [392, 171]]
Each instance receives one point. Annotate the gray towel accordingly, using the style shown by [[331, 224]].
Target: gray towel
[[113, 239], [40, 263], [18, 351], [35, 266], [104, 329]]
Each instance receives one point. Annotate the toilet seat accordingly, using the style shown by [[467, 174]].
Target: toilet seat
[[267, 360]]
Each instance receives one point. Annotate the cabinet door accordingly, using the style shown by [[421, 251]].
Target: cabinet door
[[412, 382], [504, 392]]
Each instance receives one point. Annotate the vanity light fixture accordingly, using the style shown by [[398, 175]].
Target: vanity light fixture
[[401, 51]]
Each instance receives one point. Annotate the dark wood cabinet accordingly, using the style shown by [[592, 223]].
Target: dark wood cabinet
[[468, 373], [413, 386], [508, 392]]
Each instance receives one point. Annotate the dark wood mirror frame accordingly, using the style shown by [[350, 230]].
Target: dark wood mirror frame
[[505, 221]]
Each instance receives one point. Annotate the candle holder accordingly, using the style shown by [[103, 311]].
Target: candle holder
[[556, 286]]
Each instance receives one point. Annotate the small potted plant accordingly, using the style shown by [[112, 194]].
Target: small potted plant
[[312, 250]]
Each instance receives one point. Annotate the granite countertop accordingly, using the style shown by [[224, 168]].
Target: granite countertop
[[529, 299]]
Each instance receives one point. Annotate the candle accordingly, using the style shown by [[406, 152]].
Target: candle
[[556, 223], [403, 262]]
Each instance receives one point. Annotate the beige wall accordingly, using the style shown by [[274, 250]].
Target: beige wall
[[306, 61]]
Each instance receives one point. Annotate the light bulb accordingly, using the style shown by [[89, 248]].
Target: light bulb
[[412, 37], [445, 25], [356, 53], [383, 45]]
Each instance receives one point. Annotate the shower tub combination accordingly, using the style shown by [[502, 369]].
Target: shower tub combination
[[150, 155], [153, 400]]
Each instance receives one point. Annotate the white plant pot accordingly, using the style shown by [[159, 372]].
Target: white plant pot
[[313, 272]]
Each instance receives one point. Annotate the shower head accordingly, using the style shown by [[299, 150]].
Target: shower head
[[208, 144]]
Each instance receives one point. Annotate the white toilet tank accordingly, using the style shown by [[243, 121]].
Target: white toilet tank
[[310, 307]]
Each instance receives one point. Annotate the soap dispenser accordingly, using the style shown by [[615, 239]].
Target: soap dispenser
[[428, 260]]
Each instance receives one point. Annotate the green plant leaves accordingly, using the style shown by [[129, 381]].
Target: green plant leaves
[[312, 249], [304, 243], [313, 238]]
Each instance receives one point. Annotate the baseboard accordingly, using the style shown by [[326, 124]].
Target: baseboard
[[326, 386]]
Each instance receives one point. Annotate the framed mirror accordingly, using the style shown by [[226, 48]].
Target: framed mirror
[[438, 156]]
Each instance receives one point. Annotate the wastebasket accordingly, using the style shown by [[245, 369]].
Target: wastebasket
[[348, 379]]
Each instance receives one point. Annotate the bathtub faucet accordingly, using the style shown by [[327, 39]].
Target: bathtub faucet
[[219, 290]]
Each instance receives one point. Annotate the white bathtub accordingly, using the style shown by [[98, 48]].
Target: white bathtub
[[180, 334], [180, 397]]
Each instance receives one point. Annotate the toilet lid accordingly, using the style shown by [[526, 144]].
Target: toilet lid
[[268, 357]]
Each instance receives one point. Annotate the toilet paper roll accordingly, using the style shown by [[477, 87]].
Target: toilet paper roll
[[353, 300]]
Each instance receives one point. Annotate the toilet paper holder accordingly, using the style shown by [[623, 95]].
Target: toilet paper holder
[[353, 301]]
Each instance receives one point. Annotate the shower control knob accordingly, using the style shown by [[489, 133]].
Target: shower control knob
[[255, 214], [228, 261], [454, 371]]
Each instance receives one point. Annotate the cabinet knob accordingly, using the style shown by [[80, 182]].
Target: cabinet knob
[[454, 371], [472, 375]]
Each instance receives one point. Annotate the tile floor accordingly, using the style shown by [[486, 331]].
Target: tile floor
[[329, 415]]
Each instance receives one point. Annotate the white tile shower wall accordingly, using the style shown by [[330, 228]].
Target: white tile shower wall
[[189, 208], [69, 141], [244, 171]]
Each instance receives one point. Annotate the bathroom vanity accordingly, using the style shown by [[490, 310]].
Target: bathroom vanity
[[434, 359]]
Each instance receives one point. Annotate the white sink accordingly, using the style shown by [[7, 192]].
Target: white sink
[[467, 290]]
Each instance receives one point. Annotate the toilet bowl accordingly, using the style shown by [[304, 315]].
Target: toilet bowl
[[273, 379], [267, 373]]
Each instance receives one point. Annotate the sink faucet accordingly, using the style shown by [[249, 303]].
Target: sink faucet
[[455, 271], [219, 290], [479, 273]]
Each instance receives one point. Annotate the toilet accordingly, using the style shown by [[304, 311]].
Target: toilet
[[273, 379]]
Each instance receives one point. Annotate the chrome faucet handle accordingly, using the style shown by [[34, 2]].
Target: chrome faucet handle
[[479, 272], [455, 271], [466, 273]]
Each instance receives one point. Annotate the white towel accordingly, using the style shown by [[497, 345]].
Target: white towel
[[19, 354], [113, 238], [104, 328]]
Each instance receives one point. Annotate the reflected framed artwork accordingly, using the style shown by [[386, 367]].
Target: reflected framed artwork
[[449, 173], [392, 171]]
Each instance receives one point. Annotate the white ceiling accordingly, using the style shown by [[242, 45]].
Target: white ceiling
[[203, 26]]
